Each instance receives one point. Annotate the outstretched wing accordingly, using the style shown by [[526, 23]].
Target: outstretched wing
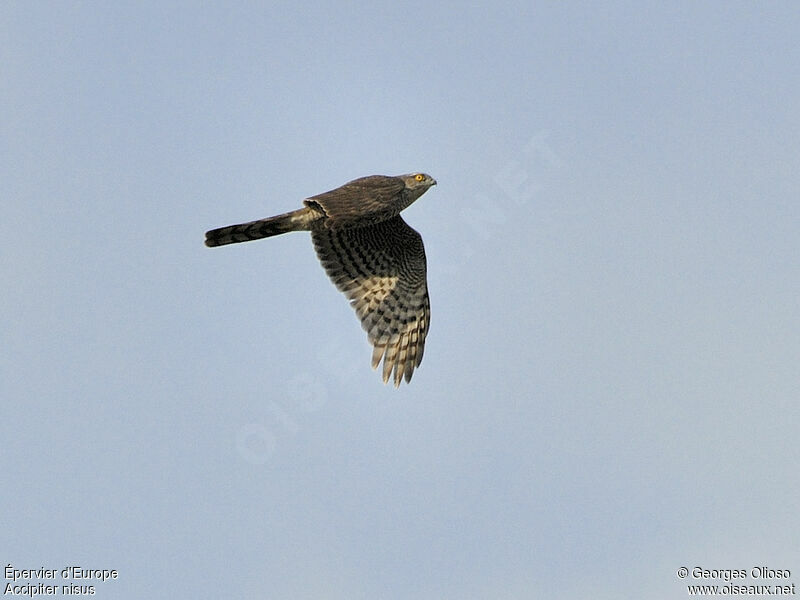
[[381, 269]]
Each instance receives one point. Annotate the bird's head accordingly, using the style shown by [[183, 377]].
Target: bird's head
[[418, 181]]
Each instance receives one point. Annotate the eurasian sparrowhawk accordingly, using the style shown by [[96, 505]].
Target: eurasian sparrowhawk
[[371, 254]]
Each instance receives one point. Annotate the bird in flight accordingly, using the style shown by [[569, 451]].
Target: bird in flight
[[370, 254]]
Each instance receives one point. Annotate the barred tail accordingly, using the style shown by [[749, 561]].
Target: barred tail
[[297, 220]]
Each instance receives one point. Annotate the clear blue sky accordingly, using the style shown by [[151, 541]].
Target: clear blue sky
[[610, 384]]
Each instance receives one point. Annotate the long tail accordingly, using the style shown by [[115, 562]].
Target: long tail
[[297, 220]]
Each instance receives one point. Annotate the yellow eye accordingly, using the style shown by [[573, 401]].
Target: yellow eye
[[419, 176]]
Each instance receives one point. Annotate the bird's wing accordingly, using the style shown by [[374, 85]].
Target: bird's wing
[[381, 269]]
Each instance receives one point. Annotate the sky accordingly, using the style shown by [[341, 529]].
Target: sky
[[610, 383]]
